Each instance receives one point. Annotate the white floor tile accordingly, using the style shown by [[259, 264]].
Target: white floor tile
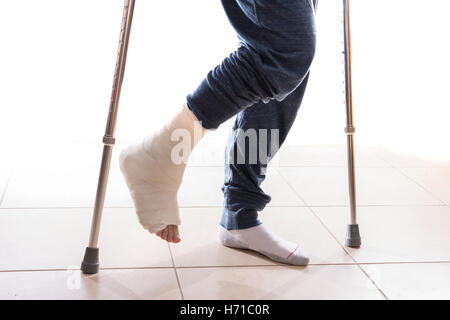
[[407, 159], [272, 283], [435, 180], [395, 234], [56, 239], [412, 281], [375, 186], [130, 284], [327, 156], [202, 187], [70, 186]]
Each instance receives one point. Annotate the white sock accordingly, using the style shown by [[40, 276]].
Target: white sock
[[264, 241], [153, 170]]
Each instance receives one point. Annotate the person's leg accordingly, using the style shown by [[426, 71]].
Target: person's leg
[[256, 135], [278, 40], [273, 59]]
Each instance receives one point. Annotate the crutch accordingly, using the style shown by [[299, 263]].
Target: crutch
[[90, 262], [353, 238]]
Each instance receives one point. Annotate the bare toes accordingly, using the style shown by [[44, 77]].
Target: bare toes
[[176, 236], [170, 234], [164, 234]]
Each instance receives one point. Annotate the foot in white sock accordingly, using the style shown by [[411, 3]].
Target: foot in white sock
[[153, 171], [262, 240]]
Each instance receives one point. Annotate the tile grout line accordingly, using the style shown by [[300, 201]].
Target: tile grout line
[[407, 262], [417, 183], [420, 185], [234, 266], [373, 281], [176, 271], [335, 238], [280, 265], [6, 186], [206, 207], [327, 166], [317, 217], [393, 165], [350, 255]]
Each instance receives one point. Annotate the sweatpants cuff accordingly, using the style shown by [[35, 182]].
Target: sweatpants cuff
[[240, 219], [206, 106]]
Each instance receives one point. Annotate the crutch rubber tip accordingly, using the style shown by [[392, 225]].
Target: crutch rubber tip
[[90, 263], [353, 239]]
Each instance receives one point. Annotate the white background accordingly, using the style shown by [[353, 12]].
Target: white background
[[57, 59]]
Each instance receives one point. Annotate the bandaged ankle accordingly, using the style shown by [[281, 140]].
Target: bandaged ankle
[[153, 169]]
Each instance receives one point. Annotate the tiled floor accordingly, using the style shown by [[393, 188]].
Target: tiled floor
[[403, 210]]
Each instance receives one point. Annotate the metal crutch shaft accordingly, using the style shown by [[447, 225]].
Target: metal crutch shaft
[[90, 262], [353, 238]]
